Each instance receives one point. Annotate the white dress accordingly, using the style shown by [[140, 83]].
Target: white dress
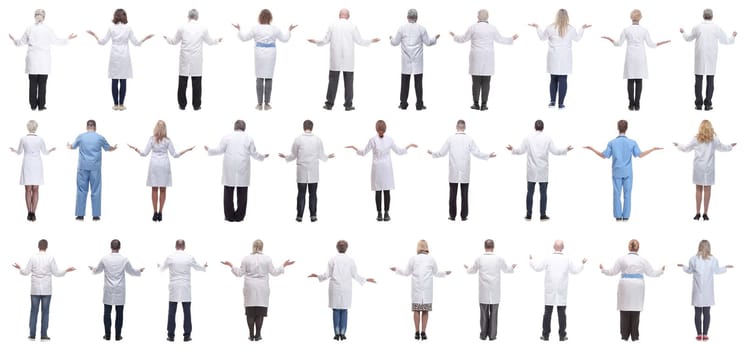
[[631, 288], [482, 54], [411, 37], [559, 56], [32, 147], [265, 52], [340, 271], [39, 37], [704, 159], [381, 172], [703, 285], [255, 269], [422, 268], [708, 36], [159, 170], [635, 61], [120, 64]]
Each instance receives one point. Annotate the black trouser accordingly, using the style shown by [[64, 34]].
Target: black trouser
[[404, 93], [386, 200], [37, 90], [196, 92], [331, 91], [464, 200], [232, 213], [634, 91], [255, 319], [263, 90], [708, 92], [488, 320], [629, 324], [542, 198], [702, 323], [546, 325], [480, 84], [301, 200], [117, 322], [171, 326], [118, 91]]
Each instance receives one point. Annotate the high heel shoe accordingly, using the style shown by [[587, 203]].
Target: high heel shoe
[[417, 335], [696, 217], [155, 216], [423, 336], [705, 217], [160, 216]]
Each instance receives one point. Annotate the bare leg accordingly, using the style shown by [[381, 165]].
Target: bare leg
[[162, 198], [154, 198], [425, 316], [707, 197], [28, 196], [34, 197], [416, 321]]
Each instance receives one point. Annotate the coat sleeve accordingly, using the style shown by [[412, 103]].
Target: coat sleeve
[[177, 38], [555, 150], [407, 271], [426, 39], [172, 150], [474, 268], [131, 270], [724, 38], [355, 276], [23, 40], [617, 268], [577, 34], [99, 268], [649, 41], [436, 272], [466, 37], [690, 268], [504, 267], [293, 151], [443, 150], [327, 38], [649, 269], [281, 36], [716, 268], [26, 270], [148, 147], [398, 150], [576, 269], [134, 40], [722, 147], [474, 150], [106, 38], [43, 148], [689, 146], [19, 150], [542, 33], [239, 271], [246, 36], [55, 270], [275, 271], [322, 154], [538, 267], [254, 154], [522, 148], [505, 40], [690, 36], [622, 38], [329, 270], [358, 39], [219, 150], [166, 264], [208, 39], [396, 39], [369, 147], [197, 266]]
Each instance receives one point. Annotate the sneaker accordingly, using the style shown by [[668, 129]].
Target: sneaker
[[327, 107], [258, 107], [483, 108], [31, 338], [451, 218], [350, 108], [699, 338], [527, 217], [561, 106], [188, 338], [267, 107], [122, 107], [705, 338], [544, 338], [115, 107], [551, 104], [170, 339], [298, 219], [563, 338]]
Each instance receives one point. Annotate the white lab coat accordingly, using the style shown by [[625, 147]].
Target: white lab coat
[[381, 172], [159, 169], [703, 285], [704, 159], [482, 54], [120, 64], [340, 271], [236, 148], [537, 147], [41, 267], [559, 56], [558, 268], [631, 291], [708, 36], [422, 268], [32, 147], [489, 266], [264, 57], [307, 150], [114, 266], [180, 265], [39, 37], [460, 147], [191, 36], [255, 269], [635, 61], [343, 35], [411, 37]]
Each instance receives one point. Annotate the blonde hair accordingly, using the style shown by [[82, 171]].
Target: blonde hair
[[422, 247], [257, 246], [635, 15], [39, 15], [32, 125], [634, 245], [159, 131], [706, 132], [562, 21], [704, 249]]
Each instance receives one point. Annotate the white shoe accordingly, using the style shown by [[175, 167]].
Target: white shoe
[[258, 107], [267, 107], [122, 107], [115, 107]]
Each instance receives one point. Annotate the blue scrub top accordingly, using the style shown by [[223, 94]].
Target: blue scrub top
[[89, 146], [621, 150]]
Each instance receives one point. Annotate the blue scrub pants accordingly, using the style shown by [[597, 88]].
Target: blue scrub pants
[[622, 184], [88, 179]]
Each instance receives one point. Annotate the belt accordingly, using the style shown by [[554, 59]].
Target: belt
[[265, 44], [632, 275]]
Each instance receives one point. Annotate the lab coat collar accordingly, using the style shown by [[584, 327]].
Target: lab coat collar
[[461, 132], [307, 133], [556, 252], [632, 253]]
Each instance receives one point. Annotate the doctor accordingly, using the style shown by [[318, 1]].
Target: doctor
[[489, 266], [340, 272], [558, 268], [708, 36], [307, 150], [236, 148], [90, 144], [342, 35], [537, 147], [191, 36], [411, 37], [180, 265], [482, 55], [39, 37], [114, 267], [32, 173], [460, 147]]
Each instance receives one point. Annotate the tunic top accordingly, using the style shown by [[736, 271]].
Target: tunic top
[[621, 150], [90, 145], [381, 172], [39, 37], [482, 54], [704, 159]]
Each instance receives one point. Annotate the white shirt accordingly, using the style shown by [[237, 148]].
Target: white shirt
[[558, 268], [411, 37], [180, 265], [708, 36], [340, 271], [422, 268], [41, 267], [39, 37], [703, 285], [631, 291], [236, 148], [482, 55], [343, 35], [307, 150], [381, 172], [489, 266], [635, 61], [704, 159], [559, 56], [460, 147], [114, 267], [255, 269], [191, 36], [538, 146]]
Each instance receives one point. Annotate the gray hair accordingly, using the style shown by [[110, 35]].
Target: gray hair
[[239, 125], [707, 14], [412, 15], [483, 15], [32, 125], [193, 14], [257, 246], [461, 124], [39, 15]]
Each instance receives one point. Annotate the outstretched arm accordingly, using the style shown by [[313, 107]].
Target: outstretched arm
[[644, 153], [595, 151]]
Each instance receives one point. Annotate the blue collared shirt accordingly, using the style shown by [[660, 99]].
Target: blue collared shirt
[[89, 146], [621, 150]]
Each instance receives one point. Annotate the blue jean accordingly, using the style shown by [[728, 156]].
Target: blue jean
[[542, 198], [340, 321], [171, 323], [86, 179], [622, 184], [44, 300], [558, 82]]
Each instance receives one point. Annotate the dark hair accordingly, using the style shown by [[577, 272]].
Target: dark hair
[[539, 125], [307, 125], [342, 246], [180, 244], [90, 123], [461, 124], [489, 244], [265, 17], [239, 125], [120, 16], [43, 244], [116, 244], [622, 126]]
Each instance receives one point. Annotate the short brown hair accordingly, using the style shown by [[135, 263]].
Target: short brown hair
[[342, 246], [43, 244], [622, 126], [265, 17], [634, 245], [120, 16]]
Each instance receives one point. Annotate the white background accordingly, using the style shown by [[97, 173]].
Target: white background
[[579, 191]]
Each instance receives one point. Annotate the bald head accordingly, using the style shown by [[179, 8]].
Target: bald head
[[344, 14], [559, 245], [180, 244]]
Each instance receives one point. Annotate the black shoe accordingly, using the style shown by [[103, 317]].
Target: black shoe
[[160, 217], [336, 337], [314, 218], [707, 108], [379, 217], [45, 338], [483, 108], [45, 108], [527, 217], [342, 337], [350, 108], [155, 216], [417, 335], [561, 106], [492, 339], [551, 104], [31, 338], [28, 216], [618, 219], [544, 218], [79, 218], [182, 108], [171, 339], [625, 219], [187, 339], [96, 218], [451, 218], [33, 216], [327, 107], [386, 217], [197, 108], [298, 219], [563, 338], [421, 107], [107, 337], [403, 106], [475, 106], [464, 218], [544, 338], [631, 107], [118, 338], [637, 107], [705, 217], [699, 108], [483, 337], [696, 217], [423, 336]]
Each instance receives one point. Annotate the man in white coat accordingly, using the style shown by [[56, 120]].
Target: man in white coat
[[460, 147], [41, 267], [342, 37], [191, 36], [558, 268], [114, 266], [482, 56], [307, 150], [489, 267], [538, 146], [236, 148], [708, 36], [180, 265], [411, 37]]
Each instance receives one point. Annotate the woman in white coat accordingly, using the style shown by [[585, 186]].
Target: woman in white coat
[[265, 54], [635, 62], [120, 64], [382, 172], [39, 37], [255, 269], [32, 174], [159, 170], [704, 144], [340, 272], [560, 36], [703, 268], [422, 268], [631, 289]]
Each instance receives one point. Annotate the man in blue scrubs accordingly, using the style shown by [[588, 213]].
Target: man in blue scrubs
[[89, 145]]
